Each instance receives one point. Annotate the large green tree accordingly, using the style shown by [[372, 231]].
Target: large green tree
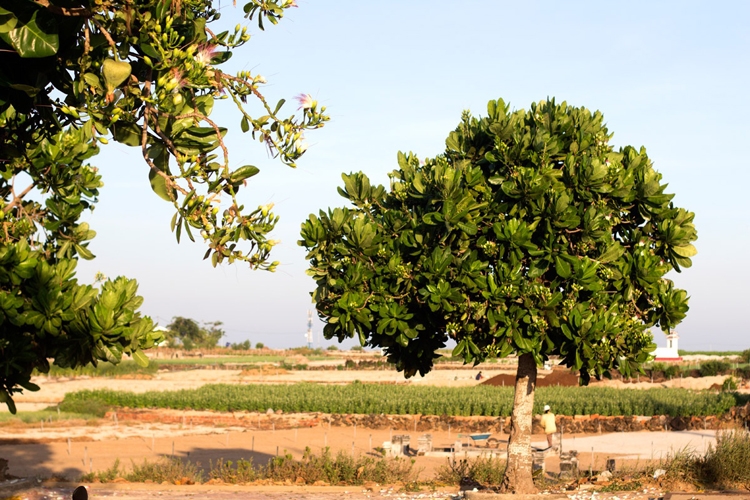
[[191, 335], [530, 236], [76, 74]]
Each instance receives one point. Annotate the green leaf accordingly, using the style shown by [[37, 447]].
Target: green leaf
[[140, 358], [8, 20], [92, 80], [459, 349], [243, 173], [8, 400], [278, 106], [685, 251], [159, 185], [150, 51], [30, 41], [433, 218], [127, 133], [562, 267], [29, 386], [84, 252], [612, 253]]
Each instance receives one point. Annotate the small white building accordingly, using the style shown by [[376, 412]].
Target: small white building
[[669, 353]]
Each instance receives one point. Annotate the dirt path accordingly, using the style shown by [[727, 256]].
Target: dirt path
[[148, 492]]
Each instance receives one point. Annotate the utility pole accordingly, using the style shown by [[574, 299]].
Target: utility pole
[[309, 334]]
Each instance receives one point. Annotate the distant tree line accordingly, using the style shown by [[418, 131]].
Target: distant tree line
[[188, 334]]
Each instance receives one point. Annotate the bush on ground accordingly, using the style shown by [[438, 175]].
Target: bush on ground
[[714, 367], [481, 471], [339, 469], [726, 464]]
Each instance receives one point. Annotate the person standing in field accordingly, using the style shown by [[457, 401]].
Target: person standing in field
[[548, 424]]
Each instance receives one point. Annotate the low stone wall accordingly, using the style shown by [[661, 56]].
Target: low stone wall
[[584, 424], [737, 417]]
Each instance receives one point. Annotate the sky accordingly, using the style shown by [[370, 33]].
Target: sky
[[395, 76]]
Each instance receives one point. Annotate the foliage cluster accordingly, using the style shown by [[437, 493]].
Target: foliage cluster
[[666, 370], [171, 470], [377, 399], [714, 367], [93, 406], [48, 415], [485, 471], [531, 234], [338, 469], [188, 334], [124, 368], [241, 346], [75, 74]]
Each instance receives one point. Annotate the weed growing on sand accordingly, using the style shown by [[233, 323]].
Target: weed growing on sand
[[87, 406], [124, 368], [104, 476], [332, 469], [340, 469], [48, 415], [170, 470], [726, 465], [484, 471]]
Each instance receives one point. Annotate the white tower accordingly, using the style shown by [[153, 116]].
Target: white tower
[[671, 352], [309, 334]]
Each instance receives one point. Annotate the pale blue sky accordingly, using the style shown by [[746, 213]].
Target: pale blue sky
[[395, 75]]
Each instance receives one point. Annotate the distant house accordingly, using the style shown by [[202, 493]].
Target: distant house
[[669, 353]]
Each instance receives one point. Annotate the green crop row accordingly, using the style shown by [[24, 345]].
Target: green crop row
[[388, 399]]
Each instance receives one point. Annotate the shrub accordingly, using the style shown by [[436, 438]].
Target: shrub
[[743, 372], [730, 384], [332, 348], [726, 465], [714, 367], [171, 470], [481, 470], [745, 355], [87, 406], [125, 367], [339, 469], [259, 345], [233, 473], [105, 476]]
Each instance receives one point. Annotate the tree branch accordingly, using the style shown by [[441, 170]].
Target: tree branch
[[17, 199], [62, 11]]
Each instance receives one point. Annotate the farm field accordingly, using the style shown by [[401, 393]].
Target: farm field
[[302, 401]]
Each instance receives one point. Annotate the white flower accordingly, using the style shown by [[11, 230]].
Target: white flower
[[305, 101], [205, 53]]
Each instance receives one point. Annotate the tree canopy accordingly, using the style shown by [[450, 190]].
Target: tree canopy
[[77, 74], [188, 333], [531, 235]]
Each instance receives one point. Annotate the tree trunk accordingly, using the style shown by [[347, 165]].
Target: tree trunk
[[518, 478]]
